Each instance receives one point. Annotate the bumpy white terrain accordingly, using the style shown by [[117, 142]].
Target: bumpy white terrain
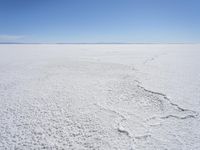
[[100, 97]]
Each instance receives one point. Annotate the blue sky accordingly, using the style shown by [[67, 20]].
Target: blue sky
[[99, 21]]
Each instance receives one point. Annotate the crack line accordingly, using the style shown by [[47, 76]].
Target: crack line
[[166, 98]]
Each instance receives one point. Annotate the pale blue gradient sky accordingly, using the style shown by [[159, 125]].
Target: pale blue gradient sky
[[100, 21]]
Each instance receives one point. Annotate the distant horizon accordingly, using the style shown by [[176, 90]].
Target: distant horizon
[[99, 43]]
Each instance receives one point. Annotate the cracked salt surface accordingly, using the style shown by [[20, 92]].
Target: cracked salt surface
[[98, 97]]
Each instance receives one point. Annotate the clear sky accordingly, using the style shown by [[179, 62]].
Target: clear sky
[[99, 20]]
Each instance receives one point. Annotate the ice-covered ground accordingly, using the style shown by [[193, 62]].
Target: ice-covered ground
[[134, 96]]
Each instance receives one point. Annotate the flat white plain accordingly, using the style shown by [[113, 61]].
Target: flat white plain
[[100, 96]]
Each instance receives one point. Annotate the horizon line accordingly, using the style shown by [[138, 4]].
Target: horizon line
[[99, 43]]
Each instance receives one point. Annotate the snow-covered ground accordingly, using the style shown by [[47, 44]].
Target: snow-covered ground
[[134, 96]]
